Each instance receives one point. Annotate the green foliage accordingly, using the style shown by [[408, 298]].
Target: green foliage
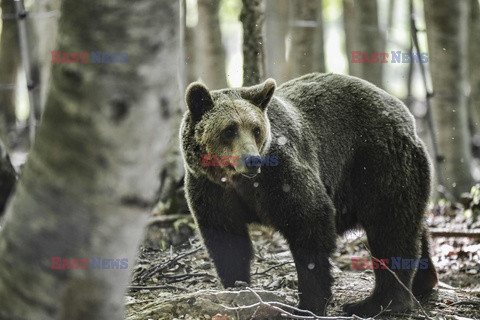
[[474, 207], [184, 221], [230, 10]]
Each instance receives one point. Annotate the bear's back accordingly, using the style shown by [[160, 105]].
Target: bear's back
[[348, 103], [333, 120]]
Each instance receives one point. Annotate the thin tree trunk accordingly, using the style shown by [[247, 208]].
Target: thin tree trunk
[[7, 177], [190, 53], [303, 29], [362, 33], [189, 48], [319, 51], [447, 23], [276, 29], [171, 195], [350, 26], [92, 173], [9, 63], [370, 39], [210, 55], [253, 55], [43, 30], [474, 71]]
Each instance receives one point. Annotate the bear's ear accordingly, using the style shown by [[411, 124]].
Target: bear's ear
[[198, 100], [261, 94]]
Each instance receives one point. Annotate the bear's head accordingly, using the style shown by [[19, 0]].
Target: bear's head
[[226, 124]]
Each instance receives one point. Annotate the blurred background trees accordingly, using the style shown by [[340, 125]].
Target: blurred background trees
[[288, 38], [447, 26]]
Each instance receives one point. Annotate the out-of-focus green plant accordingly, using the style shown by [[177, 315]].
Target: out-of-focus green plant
[[471, 202], [230, 10], [183, 221]]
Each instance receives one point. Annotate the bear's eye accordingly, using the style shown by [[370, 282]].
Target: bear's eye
[[229, 132], [256, 132]]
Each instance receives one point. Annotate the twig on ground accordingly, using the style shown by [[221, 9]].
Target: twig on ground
[[383, 310], [134, 288], [466, 302], [168, 218], [279, 307], [272, 267], [185, 276], [168, 264], [438, 232]]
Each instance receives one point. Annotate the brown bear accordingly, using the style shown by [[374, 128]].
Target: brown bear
[[347, 157]]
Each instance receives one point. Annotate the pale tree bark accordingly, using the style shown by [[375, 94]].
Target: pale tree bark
[[350, 25], [306, 34], [9, 63], [319, 50], [276, 29], [93, 171], [362, 33], [447, 23], [210, 53], [474, 71], [171, 195], [42, 33], [190, 74], [7, 177], [252, 17]]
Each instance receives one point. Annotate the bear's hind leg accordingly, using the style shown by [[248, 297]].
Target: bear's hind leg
[[392, 236], [426, 277]]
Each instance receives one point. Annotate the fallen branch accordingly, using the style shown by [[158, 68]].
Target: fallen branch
[[278, 307], [271, 268], [135, 288], [185, 276], [466, 302], [169, 218], [167, 264], [437, 232]]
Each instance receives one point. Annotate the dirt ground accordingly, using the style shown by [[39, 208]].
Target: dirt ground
[[175, 279]]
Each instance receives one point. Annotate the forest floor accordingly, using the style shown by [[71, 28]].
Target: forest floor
[[175, 279]]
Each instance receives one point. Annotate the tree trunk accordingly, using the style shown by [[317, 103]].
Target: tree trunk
[[9, 63], [474, 70], [210, 52], [362, 33], [8, 177], [303, 30], [276, 29], [43, 30], [253, 56], [350, 26], [447, 23], [92, 173], [190, 74], [319, 51]]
